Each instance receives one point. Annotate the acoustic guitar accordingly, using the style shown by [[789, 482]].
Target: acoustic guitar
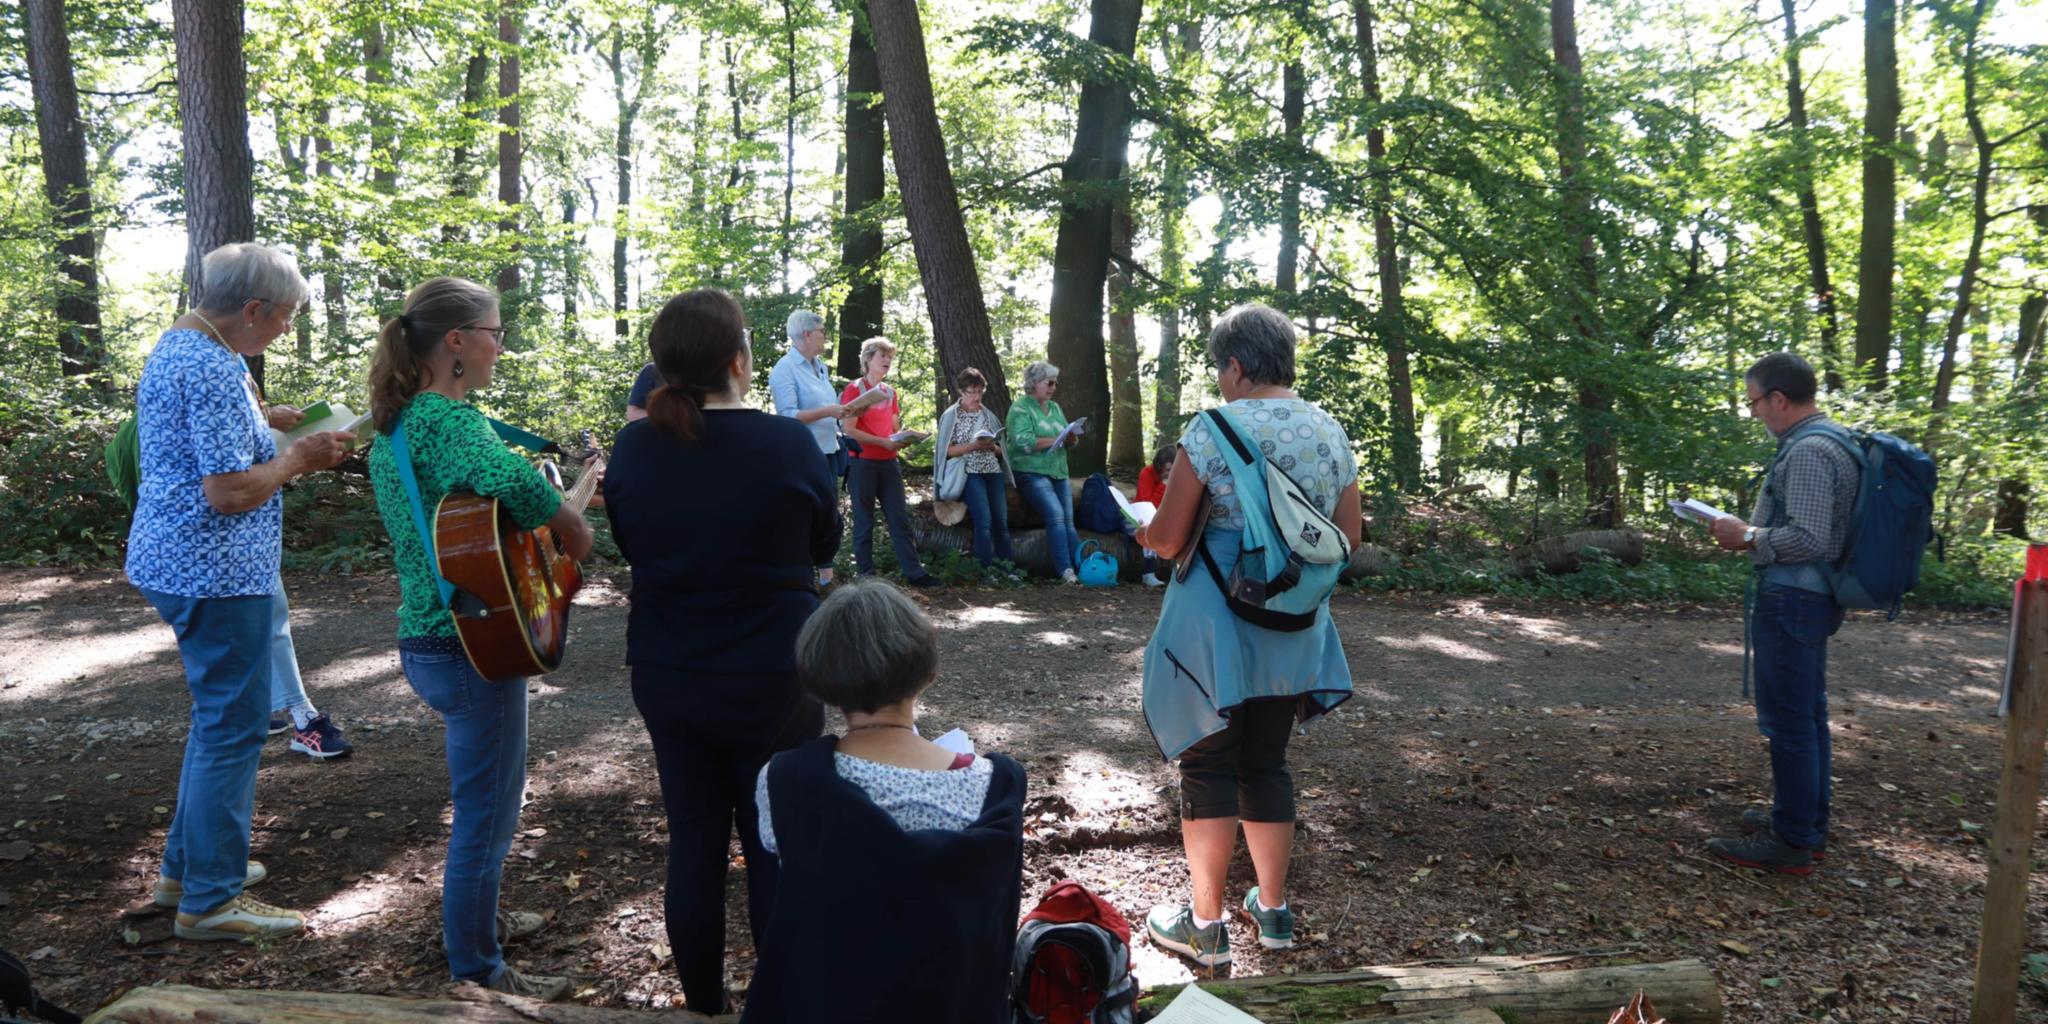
[[512, 586]]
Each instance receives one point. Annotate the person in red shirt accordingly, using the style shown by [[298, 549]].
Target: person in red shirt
[[874, 473], [1152, 488]]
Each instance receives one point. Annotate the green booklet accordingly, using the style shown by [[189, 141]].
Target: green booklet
[[320, 417]]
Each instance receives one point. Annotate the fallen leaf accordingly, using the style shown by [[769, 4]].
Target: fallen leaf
[[339, 834], [16, 850], [1734, 947], [161, 809], [1773, 982], [573, 881], [1887, 787]]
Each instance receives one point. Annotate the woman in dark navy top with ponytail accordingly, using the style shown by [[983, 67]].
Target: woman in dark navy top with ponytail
[[722, 511]]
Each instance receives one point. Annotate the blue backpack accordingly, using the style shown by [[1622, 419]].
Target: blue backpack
[[1892, 522], [1290, 553], [1097, 511]]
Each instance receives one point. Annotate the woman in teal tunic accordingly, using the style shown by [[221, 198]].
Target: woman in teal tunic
[[1221, 694]]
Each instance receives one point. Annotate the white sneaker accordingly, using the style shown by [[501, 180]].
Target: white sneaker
[[1151, 581], [170, 890], [544, 987], [1069, 576], [242, 919]]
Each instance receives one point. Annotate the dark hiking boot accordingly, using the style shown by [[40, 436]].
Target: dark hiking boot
[[1758, 819], [1763, 851]]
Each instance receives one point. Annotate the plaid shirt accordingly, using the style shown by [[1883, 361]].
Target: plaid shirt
[[1803, 512]]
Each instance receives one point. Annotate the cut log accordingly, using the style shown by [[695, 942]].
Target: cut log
[[933, 537], [184, 1004], [1683, 990], [1558, 555], [1369, 560]]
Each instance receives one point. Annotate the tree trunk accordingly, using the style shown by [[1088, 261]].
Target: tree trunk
[[1684, 991], [1980, 187], [1393, 318], [383, 143], [1293, 87], [931, 204], [860, 246], [213, 111], [1127, 410], [1880, 190], [788, 140], [1092, 176], [1596, 431], [462, 181], [2015, 492], [622, 162], [572, 263], [67, 186], [293, 155], [511, 147], [1173, 205], [333, 289], [1810, 224]]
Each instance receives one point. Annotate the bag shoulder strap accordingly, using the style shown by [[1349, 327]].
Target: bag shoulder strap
[[1225, 426], [402, 457]]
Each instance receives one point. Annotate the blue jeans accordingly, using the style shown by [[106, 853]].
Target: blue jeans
[[1054, 502], [287, 689], [485, 726], [989, 510], [225, 644], [1790, 628], [868, 481], [836, 463]]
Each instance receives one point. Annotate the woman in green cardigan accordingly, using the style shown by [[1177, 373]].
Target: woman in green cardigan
[[1034, 424]]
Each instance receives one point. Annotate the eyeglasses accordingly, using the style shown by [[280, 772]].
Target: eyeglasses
[[497, 333]]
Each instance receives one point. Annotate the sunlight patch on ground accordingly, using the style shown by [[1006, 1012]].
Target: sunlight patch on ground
[[1001, 615], [1439, 645], [1983, 696], [1868, 698], [1727, 649], [1094, 784], [1055, 638], [354, 672], [359, 906], [58, 666], [1550, 631]]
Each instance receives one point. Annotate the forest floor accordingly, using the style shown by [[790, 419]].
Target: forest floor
[[1510, 777]]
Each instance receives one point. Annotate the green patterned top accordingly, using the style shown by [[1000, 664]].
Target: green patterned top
[[453, 449], [1028, 421]]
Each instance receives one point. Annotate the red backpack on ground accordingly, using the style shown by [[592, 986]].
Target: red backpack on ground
[[1073, 961]]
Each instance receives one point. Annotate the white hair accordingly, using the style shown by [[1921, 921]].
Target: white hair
[[803, 322], [1037, 372], [239, 272]]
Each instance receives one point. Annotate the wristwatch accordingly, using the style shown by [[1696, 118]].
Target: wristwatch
[[1749, 536]]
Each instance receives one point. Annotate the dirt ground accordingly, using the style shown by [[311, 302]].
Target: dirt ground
[[1509, 778]]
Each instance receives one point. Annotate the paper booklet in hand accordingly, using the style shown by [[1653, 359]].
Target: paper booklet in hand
[[908, 437], [866, 399], [1139, 513], [988, 435], [1194, 1006], [1697, 511], [955, 741], [1079, 426], [321, 417]]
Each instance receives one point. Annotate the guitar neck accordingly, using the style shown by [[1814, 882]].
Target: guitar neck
[[577, 498]]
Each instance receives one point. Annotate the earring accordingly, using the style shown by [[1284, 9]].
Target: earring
[[458, 368]]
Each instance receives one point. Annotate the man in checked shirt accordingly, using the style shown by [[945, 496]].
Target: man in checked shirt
[[1801, 521]]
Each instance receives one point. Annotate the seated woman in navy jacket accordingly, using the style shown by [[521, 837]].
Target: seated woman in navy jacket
[[900, 860]]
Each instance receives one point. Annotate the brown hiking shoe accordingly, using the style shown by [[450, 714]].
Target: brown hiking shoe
[[242, 919], [546, 988]]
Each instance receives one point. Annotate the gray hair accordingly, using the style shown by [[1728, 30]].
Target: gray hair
[[873, 345], [803, 322], [866, 647], [1038, 372], [1262, 341], [239, 272]]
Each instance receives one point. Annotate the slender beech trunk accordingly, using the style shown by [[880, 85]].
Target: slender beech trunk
[[622, 163], [1880, 190], [2015, 492], [1093, 174], [1393, 318], [1596, 404], [1126, 407], [860, 248], [213, 113], [377, 113], [511, 149], [572, 263], [333, 289], [1973, 261], [292, 153], [67, 186], [462, 178], [1810, 226], [1293, 87], [700, 126], [931, 203], [788, 140], [1182, 43]]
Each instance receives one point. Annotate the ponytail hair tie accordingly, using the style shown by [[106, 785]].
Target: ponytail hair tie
[[405, 321]]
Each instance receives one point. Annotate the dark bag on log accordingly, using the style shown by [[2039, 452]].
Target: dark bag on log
[[18, 993]]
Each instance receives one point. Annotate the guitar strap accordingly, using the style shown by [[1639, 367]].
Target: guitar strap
[[403, 458]]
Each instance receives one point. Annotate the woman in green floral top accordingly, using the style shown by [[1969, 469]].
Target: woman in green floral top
[[428, 359], [1034, 424]]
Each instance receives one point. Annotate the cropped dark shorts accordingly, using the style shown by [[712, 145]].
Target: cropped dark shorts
[[1241, 772]]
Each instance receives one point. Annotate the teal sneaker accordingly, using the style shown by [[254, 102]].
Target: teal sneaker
[[1173, 927], [1276, 927]]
